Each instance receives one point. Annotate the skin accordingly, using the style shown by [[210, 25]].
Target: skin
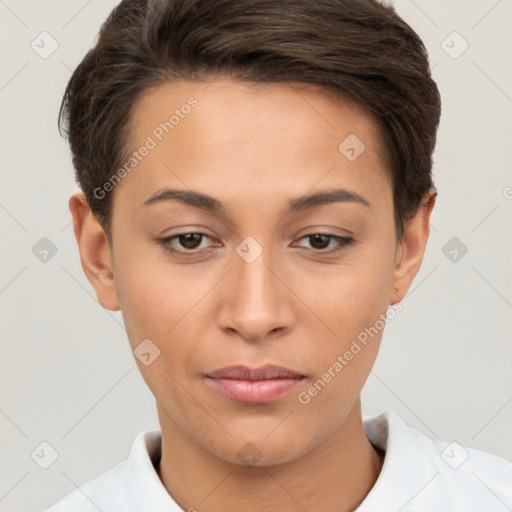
[[297, 306]]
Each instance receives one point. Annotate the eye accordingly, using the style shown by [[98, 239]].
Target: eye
[[189, 244], [184, 243], [320, 242]]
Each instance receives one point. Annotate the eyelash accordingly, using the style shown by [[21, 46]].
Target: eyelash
[[344, 242]]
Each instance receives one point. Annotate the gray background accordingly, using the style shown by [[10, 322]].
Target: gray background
[[67, 374]]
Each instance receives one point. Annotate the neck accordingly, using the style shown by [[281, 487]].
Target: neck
[[334, 476]]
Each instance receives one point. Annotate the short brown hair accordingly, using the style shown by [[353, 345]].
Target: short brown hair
[[358, 47]]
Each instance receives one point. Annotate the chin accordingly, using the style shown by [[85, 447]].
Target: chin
[[260, 451]]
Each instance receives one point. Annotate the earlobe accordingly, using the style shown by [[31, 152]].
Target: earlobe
[[412, 248], [95, 252]]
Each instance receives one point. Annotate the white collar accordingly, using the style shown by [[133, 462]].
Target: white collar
[[416, 476], [403, 446]]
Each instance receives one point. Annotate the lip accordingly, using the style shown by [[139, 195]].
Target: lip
[[254, 385]]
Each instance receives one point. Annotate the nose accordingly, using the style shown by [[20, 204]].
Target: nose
[[257, 303]]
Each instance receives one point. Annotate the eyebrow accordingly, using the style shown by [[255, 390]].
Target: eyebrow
[[211, 204]]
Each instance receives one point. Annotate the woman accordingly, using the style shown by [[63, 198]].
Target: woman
[[255, 198]]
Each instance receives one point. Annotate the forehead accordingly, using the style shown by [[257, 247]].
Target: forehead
[[306, 110], [275, 138]]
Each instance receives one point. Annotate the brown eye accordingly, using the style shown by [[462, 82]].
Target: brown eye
[[190, 240], [184, 243], [319, 242]]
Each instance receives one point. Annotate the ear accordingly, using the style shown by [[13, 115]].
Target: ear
[[95, 253], [411, 249]]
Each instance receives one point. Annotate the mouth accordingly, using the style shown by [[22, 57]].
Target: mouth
[[254, 385]]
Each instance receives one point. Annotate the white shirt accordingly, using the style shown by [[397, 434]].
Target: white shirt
[[418, 474]]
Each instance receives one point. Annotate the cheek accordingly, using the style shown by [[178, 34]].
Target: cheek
[[353, 296], [143, 281], [162, 301], [145, 294], [155, 300], [352, 301]]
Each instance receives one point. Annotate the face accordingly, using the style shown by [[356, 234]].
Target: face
[[256, 274]]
